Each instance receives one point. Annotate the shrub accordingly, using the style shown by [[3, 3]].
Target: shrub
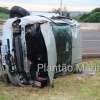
[[93, 16]]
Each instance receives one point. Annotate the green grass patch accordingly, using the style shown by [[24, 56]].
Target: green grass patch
[[3, 16]]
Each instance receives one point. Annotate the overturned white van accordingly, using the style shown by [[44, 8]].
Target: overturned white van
[[34, 46]]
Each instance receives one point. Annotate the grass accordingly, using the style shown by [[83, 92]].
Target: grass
[[3, 16], [70, 87]]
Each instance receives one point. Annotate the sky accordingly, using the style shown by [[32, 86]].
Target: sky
[[48, 5]]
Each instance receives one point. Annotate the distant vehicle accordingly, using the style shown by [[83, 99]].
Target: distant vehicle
[[33, 44]]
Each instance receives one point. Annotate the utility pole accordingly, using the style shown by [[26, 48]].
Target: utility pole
[[61, 7]]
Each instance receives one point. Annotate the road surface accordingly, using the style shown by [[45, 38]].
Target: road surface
[[91, 43]]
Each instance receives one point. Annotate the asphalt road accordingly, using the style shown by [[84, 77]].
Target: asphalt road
[[91, 43]]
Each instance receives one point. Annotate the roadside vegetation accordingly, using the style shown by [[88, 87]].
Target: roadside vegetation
[[4, 13], [93, 16]]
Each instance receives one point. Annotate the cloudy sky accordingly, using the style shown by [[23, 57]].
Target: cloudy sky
[[47, 5]]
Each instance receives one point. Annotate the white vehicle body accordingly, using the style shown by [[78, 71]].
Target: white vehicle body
[[49, 39]]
